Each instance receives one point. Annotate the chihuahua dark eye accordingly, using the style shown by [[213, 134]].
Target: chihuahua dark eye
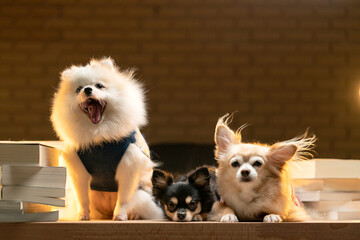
[[171, 206], [99, 85], [192, 205], [257, 164], [78, 89], [235, 164]]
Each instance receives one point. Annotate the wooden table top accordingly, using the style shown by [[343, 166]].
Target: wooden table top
[[66, 230]]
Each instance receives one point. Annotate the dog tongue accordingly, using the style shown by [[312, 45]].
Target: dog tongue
[[95, 112]]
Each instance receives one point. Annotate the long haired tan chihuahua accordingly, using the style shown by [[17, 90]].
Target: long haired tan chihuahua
[[253, 179]]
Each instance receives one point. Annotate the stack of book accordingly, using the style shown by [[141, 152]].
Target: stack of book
[[328, 188], [31, 183]]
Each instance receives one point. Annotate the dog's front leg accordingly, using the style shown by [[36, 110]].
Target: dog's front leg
[[222, 213], [81, 181], [127, 176]]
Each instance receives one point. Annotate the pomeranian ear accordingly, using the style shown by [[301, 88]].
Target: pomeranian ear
[[108, 62], [200, 178], [66, 74], [279, 154], [160, 181], [224, 137]]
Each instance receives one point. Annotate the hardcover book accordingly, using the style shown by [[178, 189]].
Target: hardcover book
[[42, 195], [325, 168], [34, 176], [28, 153]]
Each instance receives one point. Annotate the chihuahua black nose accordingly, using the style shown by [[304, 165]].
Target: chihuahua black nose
[[181, 215], [88, 91], [245, 173]]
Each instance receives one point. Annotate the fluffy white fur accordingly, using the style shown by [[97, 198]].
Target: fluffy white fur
[[253, 179], [125, 108], [124, 112]]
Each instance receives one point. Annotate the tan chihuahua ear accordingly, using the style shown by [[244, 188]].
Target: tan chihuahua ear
[[279, 154], [224, 137]]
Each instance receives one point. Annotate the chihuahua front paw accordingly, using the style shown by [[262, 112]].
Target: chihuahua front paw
[[121, 217], [229, 218], [84, 216], [197, 217], [133, 216], [272, 218]]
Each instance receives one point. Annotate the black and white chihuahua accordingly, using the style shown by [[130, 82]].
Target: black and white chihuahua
[[189, 199]]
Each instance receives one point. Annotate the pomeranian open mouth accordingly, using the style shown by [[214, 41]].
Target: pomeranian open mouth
[[94, 109]]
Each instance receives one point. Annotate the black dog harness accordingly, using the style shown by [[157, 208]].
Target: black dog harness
[[101, 162]]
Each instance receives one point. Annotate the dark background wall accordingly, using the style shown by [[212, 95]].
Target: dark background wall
[[283, 65]]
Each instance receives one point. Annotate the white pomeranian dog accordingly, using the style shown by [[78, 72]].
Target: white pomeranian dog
[[253, 179], [97, 112]]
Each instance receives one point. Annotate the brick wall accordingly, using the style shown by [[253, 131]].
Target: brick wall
[[283, 65]]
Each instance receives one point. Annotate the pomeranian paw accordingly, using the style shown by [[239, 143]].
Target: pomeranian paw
[[229, 218], [121, 217], [272, 218], [84, 217], [197, 217]]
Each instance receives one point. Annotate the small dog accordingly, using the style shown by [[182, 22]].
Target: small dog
[[97, 112], [189, 199], [253, 179], [192, 198]]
